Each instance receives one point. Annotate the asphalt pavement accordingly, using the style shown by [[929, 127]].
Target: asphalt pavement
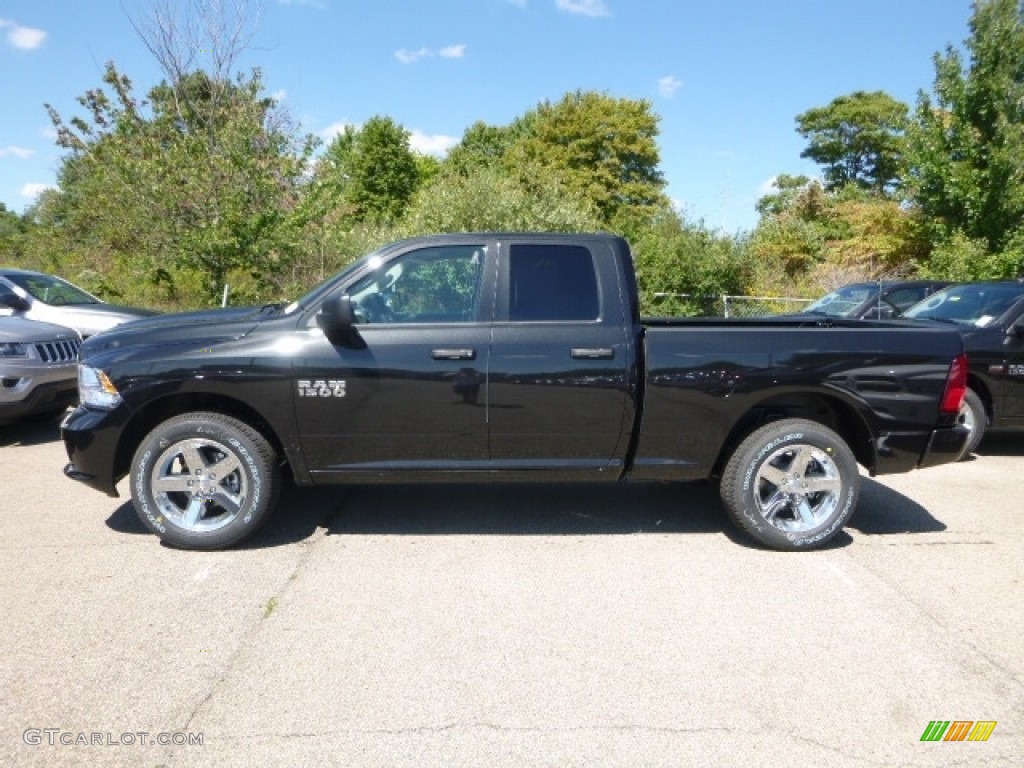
[[512, 625]]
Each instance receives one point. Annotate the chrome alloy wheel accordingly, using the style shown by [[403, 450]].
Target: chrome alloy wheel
[[966, 418], [797, 488], [198, 484]]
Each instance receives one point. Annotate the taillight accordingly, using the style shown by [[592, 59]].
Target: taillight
[[956, 386]]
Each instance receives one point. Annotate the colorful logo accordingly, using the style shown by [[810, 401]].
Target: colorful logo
[[958, 730]]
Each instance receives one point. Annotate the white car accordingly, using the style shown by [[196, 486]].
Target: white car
[[49, 299], [38, 368]]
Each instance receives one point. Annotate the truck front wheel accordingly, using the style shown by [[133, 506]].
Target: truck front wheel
[[204, 481], [791, 484]]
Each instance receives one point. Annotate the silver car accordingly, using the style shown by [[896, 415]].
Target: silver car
[[38, 368], [49, 299]]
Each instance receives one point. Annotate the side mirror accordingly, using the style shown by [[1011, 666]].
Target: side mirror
[[13, 300], [337, 318], [1017, 329]]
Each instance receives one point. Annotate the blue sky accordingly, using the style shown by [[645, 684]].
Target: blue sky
[[726, 77]]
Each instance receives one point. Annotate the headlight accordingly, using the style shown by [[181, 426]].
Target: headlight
[[95, 389], [13, 350]]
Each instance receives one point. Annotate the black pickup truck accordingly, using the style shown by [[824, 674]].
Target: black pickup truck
[[505, 357], [991, 317]]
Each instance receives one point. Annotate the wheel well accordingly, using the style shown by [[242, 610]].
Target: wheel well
[[160, 410], [831, 412]]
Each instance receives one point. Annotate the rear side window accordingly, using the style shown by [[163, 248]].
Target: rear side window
[[552, 282]]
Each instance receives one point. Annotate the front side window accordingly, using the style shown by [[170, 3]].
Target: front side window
[[552, 282], [431, 285]]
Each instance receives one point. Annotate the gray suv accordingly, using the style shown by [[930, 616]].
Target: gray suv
[[38, 296], [38, 368]]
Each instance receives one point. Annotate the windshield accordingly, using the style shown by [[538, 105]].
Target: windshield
[[51, 290], [843, 302], [977, 304]]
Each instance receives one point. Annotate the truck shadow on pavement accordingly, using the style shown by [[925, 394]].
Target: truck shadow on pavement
[[534, 510], [882, 510]]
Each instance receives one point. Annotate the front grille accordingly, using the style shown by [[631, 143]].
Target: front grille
[[58, 351]]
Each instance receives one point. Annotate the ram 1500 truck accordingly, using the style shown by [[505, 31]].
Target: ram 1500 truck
[[990, 316], [505, 357]]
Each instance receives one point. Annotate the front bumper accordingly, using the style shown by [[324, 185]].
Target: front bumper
[[91, 438]]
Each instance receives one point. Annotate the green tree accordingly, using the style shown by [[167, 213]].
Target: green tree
[[12, 233], [682, 267], [604, 149], [808, 237], [966, 144], [175, 201], [370, 171], [858, 138], [487, 198], [482, 146]]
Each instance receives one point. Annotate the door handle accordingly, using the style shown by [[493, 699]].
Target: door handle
[[593, 353], [453, 354]]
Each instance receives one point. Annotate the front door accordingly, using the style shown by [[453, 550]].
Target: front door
[[408, 390]]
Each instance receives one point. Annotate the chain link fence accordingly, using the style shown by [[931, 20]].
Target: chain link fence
[[692, 305]]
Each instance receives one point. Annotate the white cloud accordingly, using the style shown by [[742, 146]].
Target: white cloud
[[19, 152], [406, 56], [668, 85], [453, 51], [437, 145], [410, 57], [35, 189], [592, 8], [25, 38], [279, 96]]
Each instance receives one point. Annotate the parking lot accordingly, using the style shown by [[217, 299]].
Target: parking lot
[[511, 625]]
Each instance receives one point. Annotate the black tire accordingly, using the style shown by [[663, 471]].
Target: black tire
[[778, 467], [204, 481], [973, 416]]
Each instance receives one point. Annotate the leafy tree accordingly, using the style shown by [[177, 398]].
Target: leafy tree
[[682, 267], [858, 138], [807, 236], [482, 146], [487, 198], [966, 144], [12, 232], [788, 188], [604, 149], [370, 171], [183, 197]]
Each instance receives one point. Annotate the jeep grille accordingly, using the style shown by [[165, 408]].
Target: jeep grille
[[58, 351]]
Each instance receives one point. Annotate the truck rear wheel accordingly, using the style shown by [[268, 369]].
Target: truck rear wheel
[[791, 484], [204, 481], [972, 415]]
